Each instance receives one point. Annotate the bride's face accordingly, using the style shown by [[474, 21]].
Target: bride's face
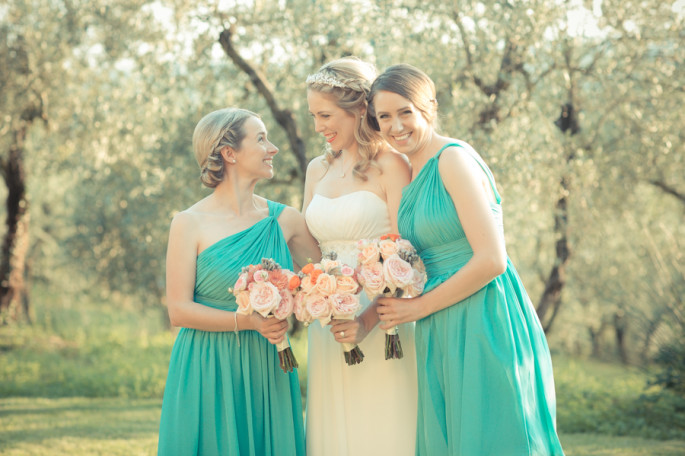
[[335, 124]]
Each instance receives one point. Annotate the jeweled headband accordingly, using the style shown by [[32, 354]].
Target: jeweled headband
[[318, 78]]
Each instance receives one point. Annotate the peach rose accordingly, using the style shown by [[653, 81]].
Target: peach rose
[[261, 276], [241, 283], [285, 306], [346, 285], [344, 305], [264, 297], [347, 270], [318, 307], [387, 247], [326, 284], [279, 278], [373, 279], [398, 273], [369, 254], [328, 265], [293, 282], [416, 287], [307, 286], [243, 301], [300, 309]]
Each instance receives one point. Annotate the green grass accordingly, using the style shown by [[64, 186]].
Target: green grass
[[87, 379], [118, 426]]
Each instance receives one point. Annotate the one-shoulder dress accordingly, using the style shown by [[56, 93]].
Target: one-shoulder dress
[[226, 394], [367, 408], [484, 367]]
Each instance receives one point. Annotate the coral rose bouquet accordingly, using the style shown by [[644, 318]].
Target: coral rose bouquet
[[329, 290], [390, 266], [269, 290]]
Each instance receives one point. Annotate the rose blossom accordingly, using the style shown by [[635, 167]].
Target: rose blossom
[[398, 272], [300, 309], [347, 270], [279, 278], [261, 276], [373, 279], [307, 285], [326, 284], [369, 254], [417, 285], [344, 304], [328, 265], [243, 301], [318, 307], [387, 248], [346, 285], [264, 297], [241, 283], [285, 307]]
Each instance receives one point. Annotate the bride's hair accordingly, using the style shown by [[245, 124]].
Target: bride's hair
[[213, 132], [348, 80]]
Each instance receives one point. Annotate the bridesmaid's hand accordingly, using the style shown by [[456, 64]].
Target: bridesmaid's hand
[[394, 311], [349, 331], [271, 328]]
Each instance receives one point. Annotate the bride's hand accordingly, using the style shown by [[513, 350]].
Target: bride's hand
[[271, 328], [349, 331]]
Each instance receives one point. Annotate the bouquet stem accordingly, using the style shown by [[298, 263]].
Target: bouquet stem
[[286, 357], [353, 354], [393, 347]]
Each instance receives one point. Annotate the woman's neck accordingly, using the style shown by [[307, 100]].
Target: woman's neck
[[236, 197]]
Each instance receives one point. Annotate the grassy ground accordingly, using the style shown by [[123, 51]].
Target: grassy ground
[[116, 426], [87, 380]]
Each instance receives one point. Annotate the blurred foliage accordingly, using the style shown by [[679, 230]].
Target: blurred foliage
[[124, 84], [671, 359]]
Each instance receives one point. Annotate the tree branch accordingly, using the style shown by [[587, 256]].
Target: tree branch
[[284, 117]]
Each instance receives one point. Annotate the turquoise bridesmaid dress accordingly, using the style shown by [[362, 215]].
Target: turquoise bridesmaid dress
[[225, 396], [484, 367]]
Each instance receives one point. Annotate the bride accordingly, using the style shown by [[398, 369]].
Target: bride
[[353, 192]]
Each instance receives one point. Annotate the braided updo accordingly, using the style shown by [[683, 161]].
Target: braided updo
[[213, 132], [348, 80]]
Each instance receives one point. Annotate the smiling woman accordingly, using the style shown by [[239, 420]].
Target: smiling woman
[[352, 192], [218, 354]]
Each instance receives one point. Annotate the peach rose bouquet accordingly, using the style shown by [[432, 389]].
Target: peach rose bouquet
[[269, 290], [390, 266], [328, 290]]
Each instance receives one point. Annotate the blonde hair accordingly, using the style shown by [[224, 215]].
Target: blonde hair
[[410, 83], [213, 132], [348, 81]]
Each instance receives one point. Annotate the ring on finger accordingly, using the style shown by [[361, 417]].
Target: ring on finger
[[342, 333]]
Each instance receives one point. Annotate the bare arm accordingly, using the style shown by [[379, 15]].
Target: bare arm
[[464, 181], [301, 243], [181, 262]]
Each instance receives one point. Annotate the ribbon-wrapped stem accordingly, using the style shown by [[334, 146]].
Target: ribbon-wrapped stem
[[286, 357], [353, 354], [393, 346]]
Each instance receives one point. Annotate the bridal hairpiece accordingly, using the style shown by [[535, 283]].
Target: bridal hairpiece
[[318, 78]]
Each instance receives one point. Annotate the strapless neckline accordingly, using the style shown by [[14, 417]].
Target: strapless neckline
[[347, 195]]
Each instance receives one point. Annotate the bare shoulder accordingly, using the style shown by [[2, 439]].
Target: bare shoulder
[[317, 168], [393, 164], [185, 224], [456, 159]]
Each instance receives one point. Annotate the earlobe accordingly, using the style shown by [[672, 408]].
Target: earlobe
[[228, 154]]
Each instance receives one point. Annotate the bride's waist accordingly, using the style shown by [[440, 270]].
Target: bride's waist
[[346, 251]]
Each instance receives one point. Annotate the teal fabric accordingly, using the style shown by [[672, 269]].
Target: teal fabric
[[484, 367], [225, 398]]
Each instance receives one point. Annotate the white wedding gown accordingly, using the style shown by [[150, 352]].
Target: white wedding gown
[[368, 408]]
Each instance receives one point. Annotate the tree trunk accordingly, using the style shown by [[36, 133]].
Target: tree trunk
[[551, 295], [13, 293], [620, 327]]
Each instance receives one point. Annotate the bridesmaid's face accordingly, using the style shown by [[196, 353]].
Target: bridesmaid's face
[[256, 153], [335, 124], [402, 125]]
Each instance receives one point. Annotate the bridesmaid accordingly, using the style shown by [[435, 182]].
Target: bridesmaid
[[484, 367], [225, 393]]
